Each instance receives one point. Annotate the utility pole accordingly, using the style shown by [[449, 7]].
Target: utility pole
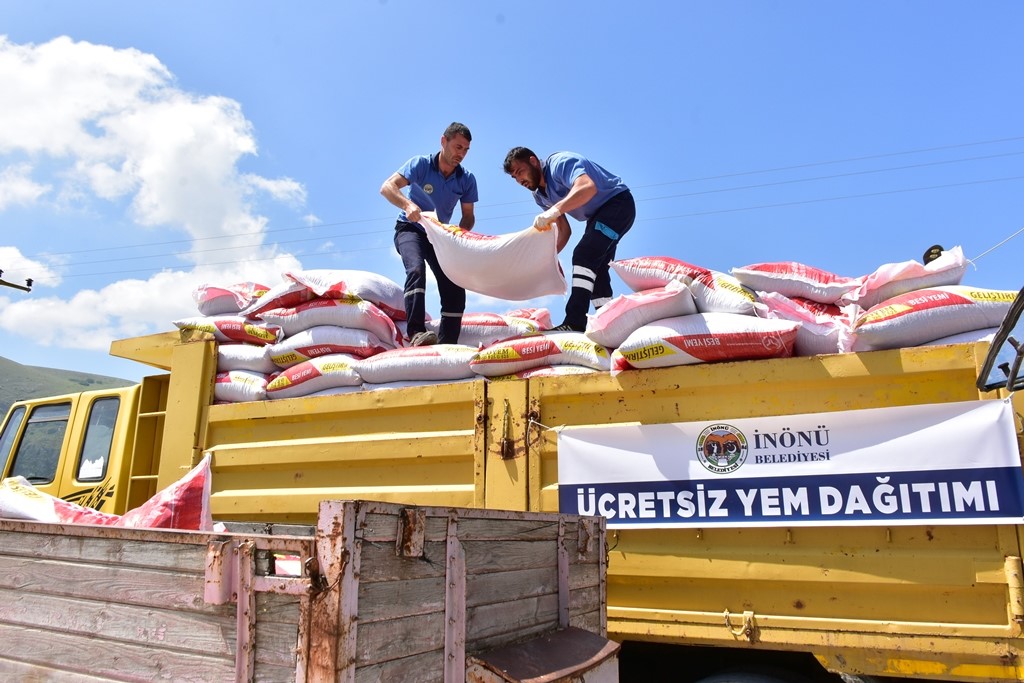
[[27, 287]]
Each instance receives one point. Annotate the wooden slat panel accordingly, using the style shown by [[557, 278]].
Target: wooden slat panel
[[19, 671], [487, 622], [100, 549], [427, 667], [205, 633], [174, 590], [118, 660], [382, 641]]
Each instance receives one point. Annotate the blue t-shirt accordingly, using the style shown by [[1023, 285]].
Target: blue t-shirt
[[431, 191], [561, 170]]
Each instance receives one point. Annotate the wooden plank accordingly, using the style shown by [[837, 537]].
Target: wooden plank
[[488, 622], [118, 660], [382, 641], [422, 668], [20, 671], [394, 599], [488, 556], [173, 590], [484, 589], [100, 549], [205, 633]]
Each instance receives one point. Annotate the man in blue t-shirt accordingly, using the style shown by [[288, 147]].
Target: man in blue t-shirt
[[569, 183], [436, 183]]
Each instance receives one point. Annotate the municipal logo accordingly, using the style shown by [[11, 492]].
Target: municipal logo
[[722, 448], [428, 188]]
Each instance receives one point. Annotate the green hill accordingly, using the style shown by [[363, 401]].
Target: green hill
[[19, 382]]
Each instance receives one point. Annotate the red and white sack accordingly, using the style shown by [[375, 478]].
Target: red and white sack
[[215, 300], [552, 348], [239, 356], [316, 374], [437, 362], [546, 371], [515, 267], [541, 316], [795, 280], [713, 292], [349, 311], [484, 329], [893, 279], [237, 386], [382, 292], [705, 338], [232, 328], [983, 335], [282, 295], [323, 340], [824, 328], [184, 505], [924, 315], [617, 319]]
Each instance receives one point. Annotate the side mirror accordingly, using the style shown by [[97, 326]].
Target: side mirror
[[1002, 366]]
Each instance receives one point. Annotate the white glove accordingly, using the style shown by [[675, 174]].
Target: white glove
[[544, 220]]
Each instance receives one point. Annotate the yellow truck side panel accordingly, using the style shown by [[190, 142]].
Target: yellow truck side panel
[[943, 602]]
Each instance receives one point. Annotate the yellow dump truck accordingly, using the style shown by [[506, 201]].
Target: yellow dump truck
[[861, 512]]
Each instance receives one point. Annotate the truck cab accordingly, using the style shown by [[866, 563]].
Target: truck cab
[[72, 446]]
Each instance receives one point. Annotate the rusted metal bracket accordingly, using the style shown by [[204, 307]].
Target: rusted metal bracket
[[746, 629]]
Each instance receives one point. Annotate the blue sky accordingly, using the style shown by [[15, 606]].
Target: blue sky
[[147, 148]]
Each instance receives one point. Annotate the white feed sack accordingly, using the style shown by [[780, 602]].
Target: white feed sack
[[796, 280], [386, 294], [924, 315], [824, 328], [713, 292], [893, 279], [617, 319], [236, 356], [515, 267], [350, 311], [484, 329], [236, 386], [316, 374], [227, 300], [983, 335], [232, 328], [437, 362], [705, 338], [552, 348], [323, 340]]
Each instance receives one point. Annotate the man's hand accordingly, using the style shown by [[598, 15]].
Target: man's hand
[[414, 215], [544, 220]]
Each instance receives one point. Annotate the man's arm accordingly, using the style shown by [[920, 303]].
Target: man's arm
[[468, 216], [581, 192], [392, 191]]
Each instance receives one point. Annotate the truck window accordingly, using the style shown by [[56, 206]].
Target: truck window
[[9, 434], [38, 454], [99, 435]]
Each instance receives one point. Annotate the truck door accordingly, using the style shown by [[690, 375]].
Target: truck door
[[63, 446]]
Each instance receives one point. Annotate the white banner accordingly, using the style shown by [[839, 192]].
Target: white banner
[[948, 463]]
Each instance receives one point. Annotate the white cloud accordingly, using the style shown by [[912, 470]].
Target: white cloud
[[112, 126], [92, 318], [18, 188], [17, 268]]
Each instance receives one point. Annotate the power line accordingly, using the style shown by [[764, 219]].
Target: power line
[[633, 187], [321, 238], [643, 220]]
